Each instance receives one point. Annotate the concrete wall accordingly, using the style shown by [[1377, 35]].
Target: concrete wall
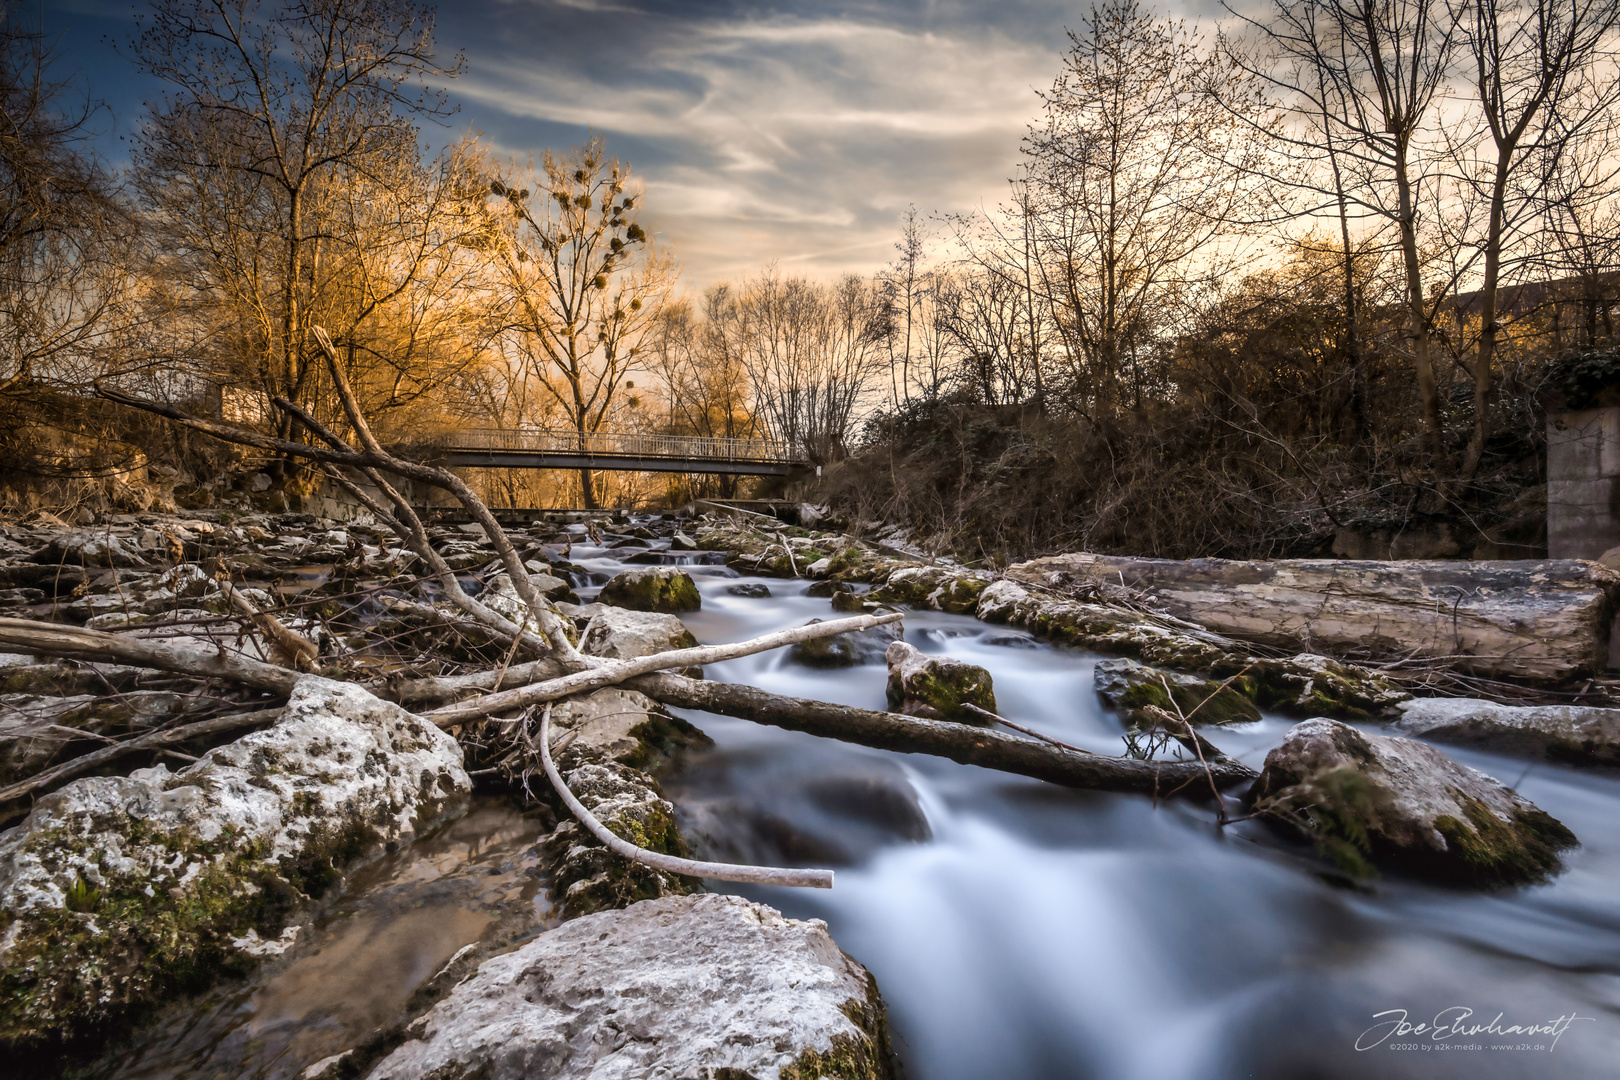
[[1583, 483]]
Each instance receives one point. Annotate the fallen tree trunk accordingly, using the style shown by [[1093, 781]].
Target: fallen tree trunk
[[77, 643], [613, 672], [1547, 621], [960, 742]]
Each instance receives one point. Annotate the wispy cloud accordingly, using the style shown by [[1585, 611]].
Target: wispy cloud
[[796, 137]]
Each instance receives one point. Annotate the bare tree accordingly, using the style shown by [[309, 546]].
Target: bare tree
[[1133, 179], [1365, 77], [812, 352], [583, 283], [271, 117], [66, 257], [1543, 78]]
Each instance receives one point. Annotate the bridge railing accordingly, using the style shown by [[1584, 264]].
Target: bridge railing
[[616, 444]]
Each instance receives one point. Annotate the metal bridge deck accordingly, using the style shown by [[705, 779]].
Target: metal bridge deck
[[495, 448]]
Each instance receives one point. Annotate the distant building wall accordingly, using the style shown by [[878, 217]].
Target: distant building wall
[[1583, 483]]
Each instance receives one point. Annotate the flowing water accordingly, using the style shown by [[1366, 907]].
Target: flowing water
[[1016, 929]]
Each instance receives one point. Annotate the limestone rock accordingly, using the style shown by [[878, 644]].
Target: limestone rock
[[681, 542], [501, 597], [752, 590], [1405, 804], [692, 986], [119, 889], [1578, 734], [1128, 686], [937, 687], [937, 587], [1546, 620], [88, 549], [846, 650], [622, 726], [1303, 685], [621, 633], [666, 589]]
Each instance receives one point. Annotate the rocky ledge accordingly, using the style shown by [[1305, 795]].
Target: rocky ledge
[[1576, 734], [115, 891], [688, 986]]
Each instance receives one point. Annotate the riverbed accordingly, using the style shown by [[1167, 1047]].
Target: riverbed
[[1016, 929]]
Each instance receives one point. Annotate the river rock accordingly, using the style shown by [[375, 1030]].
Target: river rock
[[103, 549], [1129, 686], [1403, 803], [846, 650], [940, 588], [501, 597], [1579, 734], [1306, 684], [666, 589], [681, 542], [620, 726], [119, 890], [752, 590], [692, 986], [620, 633], [937, 687]]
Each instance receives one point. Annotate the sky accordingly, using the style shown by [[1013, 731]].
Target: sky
[[794, 131]]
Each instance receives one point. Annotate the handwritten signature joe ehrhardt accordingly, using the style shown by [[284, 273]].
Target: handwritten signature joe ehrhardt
[[1452, 1023]]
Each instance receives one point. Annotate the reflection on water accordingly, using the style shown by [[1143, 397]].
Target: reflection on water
[[353, 970]]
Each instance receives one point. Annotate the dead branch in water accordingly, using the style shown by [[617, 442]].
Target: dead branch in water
[[960, 742], [669, 864], [612, 672]]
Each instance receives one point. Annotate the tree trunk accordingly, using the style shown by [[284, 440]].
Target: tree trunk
[[962, 743], [1546, 621]]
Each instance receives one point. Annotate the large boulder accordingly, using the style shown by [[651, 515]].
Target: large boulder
[[942, 588], [1580, 734], [846, 650], [118, 890], [1130, 687], [620, 633], [667, 589], [937, 687], [692, 986], [1379, 799]]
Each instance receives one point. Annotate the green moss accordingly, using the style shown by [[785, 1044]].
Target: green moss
[[943, 688], [662, 737], [1487, 851], [670, 591], [1204, 704], [863, 1057]]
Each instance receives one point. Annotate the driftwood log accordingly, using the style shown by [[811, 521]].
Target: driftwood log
[[960, 742], [1546, 621], [78, 643]]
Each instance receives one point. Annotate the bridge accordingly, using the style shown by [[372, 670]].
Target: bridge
[[497, 448]]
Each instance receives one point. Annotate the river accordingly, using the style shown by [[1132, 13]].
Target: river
[[1016, 929]]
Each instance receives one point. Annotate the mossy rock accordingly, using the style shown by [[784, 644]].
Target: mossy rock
[[1130, 687], [1373, 800], [665, 589], [938, 687]]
